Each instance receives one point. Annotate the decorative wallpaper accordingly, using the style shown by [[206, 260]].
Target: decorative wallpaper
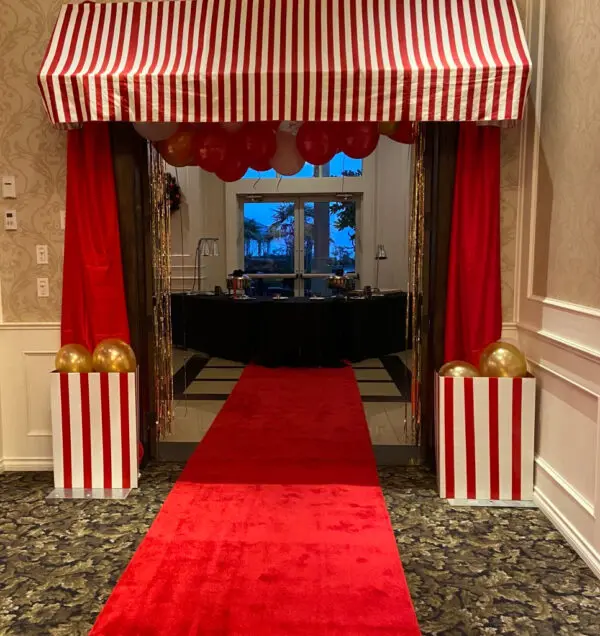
[[567, 245], [34, 153]]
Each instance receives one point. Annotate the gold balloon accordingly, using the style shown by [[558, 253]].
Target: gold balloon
[[459, 369], [387, 127], [73, 358], [114, 356], [502, 360]]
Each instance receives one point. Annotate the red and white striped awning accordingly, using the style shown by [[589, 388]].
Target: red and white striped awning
[[256, 60]]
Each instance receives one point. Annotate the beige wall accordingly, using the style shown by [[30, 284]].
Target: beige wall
[[557, 266], [35, 154], [509, 194], [567, 247], [202, 215]]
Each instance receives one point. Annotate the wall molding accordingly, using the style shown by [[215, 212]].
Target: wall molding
[[573, 493], [566, 344], [563, 378], [28, 326], [33, 354], [25, 425], [28, 464], [563, 305], [583, 548]]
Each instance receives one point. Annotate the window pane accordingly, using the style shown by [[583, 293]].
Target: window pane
[[330, 237], [255, 174], [340, 165], [329, 241], [269, 238]]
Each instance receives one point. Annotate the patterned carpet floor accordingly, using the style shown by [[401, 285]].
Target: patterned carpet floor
[[470, 570]]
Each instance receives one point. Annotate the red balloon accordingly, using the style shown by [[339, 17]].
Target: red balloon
[[360, 139], [317, 142], [261, 166], [211, 144], [178, 149], [257, 144], [404, 133], [234, 167]]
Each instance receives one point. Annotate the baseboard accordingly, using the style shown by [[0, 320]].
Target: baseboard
[[510, 332], [569, 532], [27, 464], [562, 483]]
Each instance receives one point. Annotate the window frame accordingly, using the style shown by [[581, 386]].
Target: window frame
[[299, 202], [305, 189]]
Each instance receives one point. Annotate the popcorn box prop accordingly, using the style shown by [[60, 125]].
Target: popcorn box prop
[[94, 433], [485, 438]]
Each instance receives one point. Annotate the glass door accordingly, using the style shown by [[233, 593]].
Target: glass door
[[329, 245], [271, 246], [293, 245]]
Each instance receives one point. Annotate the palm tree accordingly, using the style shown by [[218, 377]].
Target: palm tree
[[253, 231]]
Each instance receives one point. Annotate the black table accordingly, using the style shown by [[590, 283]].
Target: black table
[[290, 332]]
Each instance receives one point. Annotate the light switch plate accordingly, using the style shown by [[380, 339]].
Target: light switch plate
[[43, 288], [10, 220], [63, 219], [41, 253], [9, 187]]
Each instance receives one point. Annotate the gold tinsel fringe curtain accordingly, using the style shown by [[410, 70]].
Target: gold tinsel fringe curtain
[[161, 262], [414, 314]]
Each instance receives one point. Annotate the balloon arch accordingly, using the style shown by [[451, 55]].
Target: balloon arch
[[229, 150]]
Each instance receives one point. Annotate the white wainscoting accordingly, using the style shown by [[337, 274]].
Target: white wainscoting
[[567, 482], [28, 351], [562, 343]]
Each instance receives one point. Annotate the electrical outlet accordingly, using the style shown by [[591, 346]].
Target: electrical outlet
[[10, 220], [43, 288], [41, 252], [9, 187]]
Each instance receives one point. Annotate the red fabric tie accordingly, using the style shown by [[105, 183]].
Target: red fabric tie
[[474, 301], [93, 300]]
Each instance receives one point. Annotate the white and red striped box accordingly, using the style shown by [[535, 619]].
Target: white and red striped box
[[485, 431], [94, 430]]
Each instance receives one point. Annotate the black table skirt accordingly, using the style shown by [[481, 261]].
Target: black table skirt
[[292, 332]]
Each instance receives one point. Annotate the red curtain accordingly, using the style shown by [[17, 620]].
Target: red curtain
[[474, 304], [93, 299]]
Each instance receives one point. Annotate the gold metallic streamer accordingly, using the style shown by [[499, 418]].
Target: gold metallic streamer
[[161, 262]]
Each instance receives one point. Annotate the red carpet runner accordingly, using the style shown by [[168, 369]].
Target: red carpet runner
[[277, 524]]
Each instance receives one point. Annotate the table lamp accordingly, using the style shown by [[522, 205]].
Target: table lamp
[[380, 255], [205, 247]]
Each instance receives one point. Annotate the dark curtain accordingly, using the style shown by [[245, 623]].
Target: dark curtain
[[441, 146], [129, 155]]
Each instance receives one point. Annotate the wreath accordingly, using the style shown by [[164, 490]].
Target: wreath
[[173, 193]]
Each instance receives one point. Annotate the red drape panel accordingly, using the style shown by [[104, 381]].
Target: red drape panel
[[474, 304], [93, 300]]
